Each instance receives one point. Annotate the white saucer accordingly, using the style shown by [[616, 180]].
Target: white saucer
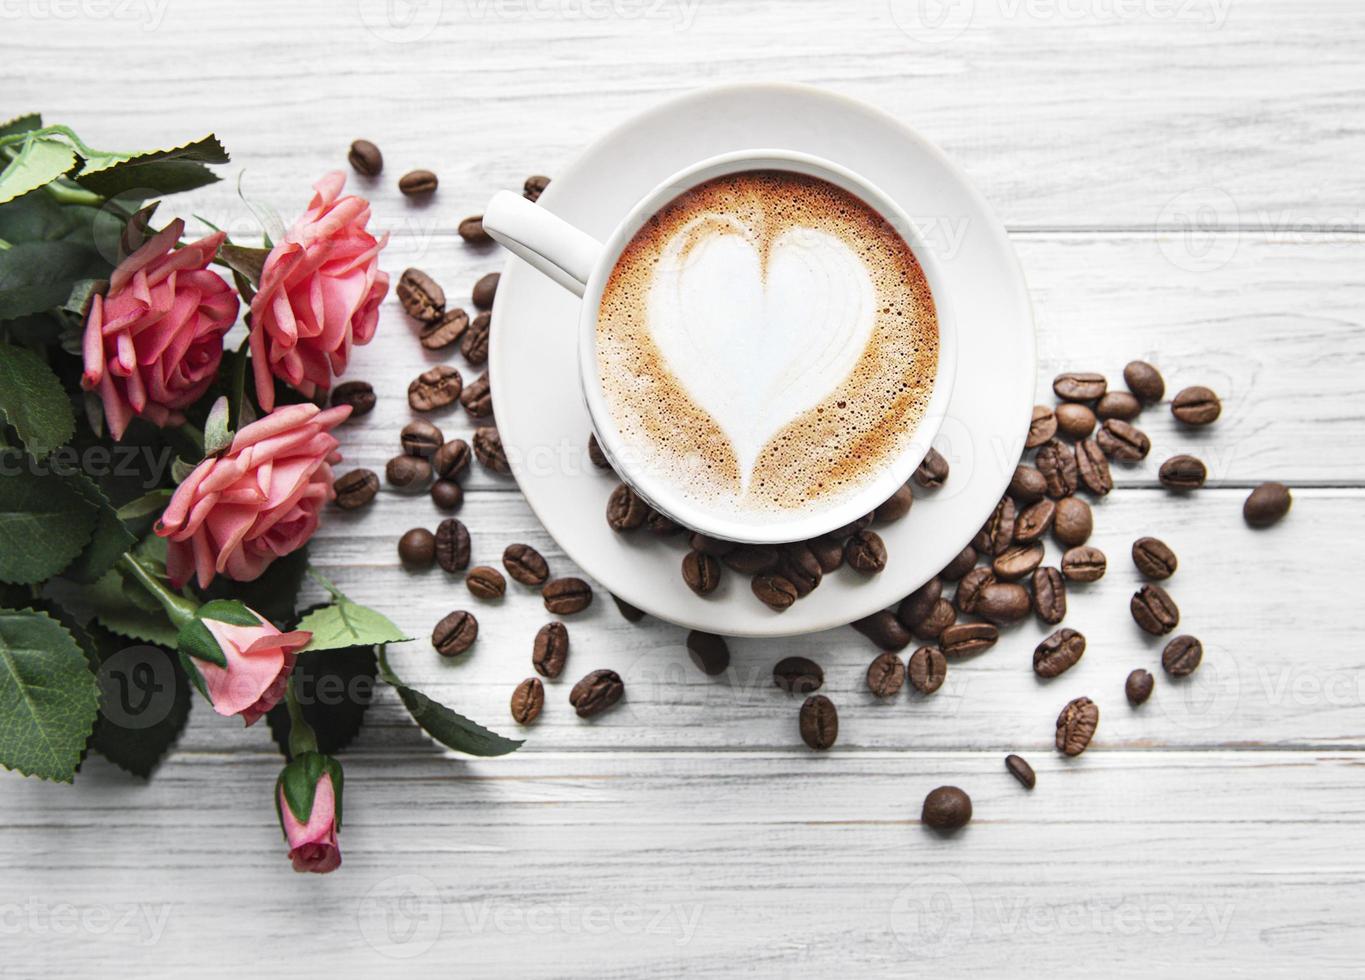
[[544, 424]]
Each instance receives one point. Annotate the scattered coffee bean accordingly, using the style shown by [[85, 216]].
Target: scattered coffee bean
[[1035, 521], [774, 591], [1154, 610], [455, 633], [595, 453], [1118, 405], [416, 183], [801, 568], [566, 596], [1021, 770], [928, 669], [701, 572], [1182, 473], [941, 616], [967, 639], [1182, 656], [358, 394], [435, 388], [1120, 440], [1027, 486], [421, 296], [486, 583], [472, 230], [477, 397], [1000, 527], [1196, 405], [452, 459], [1049, 595], [969, 589], [1058, 653], [1154, 558], [798, 675], [1042, 427], [959, 566], [452, 545], [884, 629], [485, 290], [534, 186], [526, 565], [915, 608], [446, 495], [550, 651], [753, 559], [1138, 687], [1267, 504], [865, 552], [819, 722], [527, 701], [661, 525], [946, 809], [827, 551], [356, 488], [1092, 466], [886, 675], [444, 330], [626, 511], [1073, 523], [1017, 561], [1057, 462], [982, 541], [1084, 564], [365, 158], [895, 506], [596, 692], [851, 528], [410, 474], [489, 452], [474, 343], [1074, 420], [1079, 386], [707, 545], [1144, 381], [709, 652], [417, 548], [629, 613], [1076, 726], [1003, 603], [420, 438], [932, 471]]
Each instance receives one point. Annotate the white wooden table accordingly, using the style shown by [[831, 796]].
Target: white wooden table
[[1182, 182]]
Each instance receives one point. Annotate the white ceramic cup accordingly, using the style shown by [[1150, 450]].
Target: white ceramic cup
[[582, 264]]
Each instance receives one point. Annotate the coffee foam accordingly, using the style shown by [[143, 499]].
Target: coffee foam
[[765, 342]]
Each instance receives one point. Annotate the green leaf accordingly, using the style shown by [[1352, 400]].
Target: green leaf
[[39, 218], [109, 540], [39, 162], [448, 727], [145, 506], [110, 602], [249, 262], [334, 689], [38, 276], [196, 641], [144, 702], [22, 124], [48, 696], [274, 594], [166, 171], [348, 624], [217, 433], [33, 401], [44, 523]]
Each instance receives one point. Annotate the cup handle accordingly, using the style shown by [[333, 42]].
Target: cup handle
[[548, 243]]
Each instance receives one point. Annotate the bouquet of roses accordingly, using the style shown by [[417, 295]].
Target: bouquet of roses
[[160, 484]]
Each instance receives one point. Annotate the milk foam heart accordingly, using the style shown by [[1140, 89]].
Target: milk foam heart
[[754, 339]]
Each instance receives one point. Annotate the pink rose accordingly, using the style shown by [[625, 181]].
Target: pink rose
[[242, 661], [308, 797], [154, 340], [319, 294], [258, 501]]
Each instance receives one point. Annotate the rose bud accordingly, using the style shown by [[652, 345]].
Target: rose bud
[[238, 659], [308, 800]]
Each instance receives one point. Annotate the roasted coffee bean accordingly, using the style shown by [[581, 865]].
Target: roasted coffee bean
[[661, 525], [709, 652], [1154, 558], [801, 568], [967, 639], [444, 330], [1035, 521], [417, 548], [941, 616], [566, 596], [1267, 504], [1000, 528], [446, 495], [358, 394], [1182, 656], [474, 343], [1079, 386], [526, 565], [416, 183], [915, 608], [896, 506], [932, 471], [946, 809], [828, 552], [472, 230], [420, 438], [982, 541], [1041, 428], [421, 296], [534, 187], [488, 450], [596, 692], [1021, 770], [550, 652], [356, 488], [851, 528], [798, 675], [886, 675], [865, 552], [1154, 610], [485, 582], [527, 701], [1196, 405], [1057, 462], [1084, 564], [435, 388], [707, 545], [1182, 473], [1076, 726], [1058, 653], [1017, 561], [969, 589], [884, 629], [1003, 603], [701, 572], [774, 591], [1119, 440], [1138, 687], [485, 290], [365, 158], [410, 474], [1049, 595], [959, 566], [595, 454], [1027, 485], [1092, 467], [455, 633], [1144, 381], [628, 612], [452, 545], [1118, 405], [928, 669], [819, 722], [626, 511], [1074, 420], [477, 398], [753, 559], [1073, 523], [452, 459]]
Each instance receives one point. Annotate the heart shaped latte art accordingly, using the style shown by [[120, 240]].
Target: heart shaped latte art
[[756, 340]]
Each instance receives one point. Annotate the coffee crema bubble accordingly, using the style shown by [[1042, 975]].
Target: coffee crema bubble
[[767, 341]]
